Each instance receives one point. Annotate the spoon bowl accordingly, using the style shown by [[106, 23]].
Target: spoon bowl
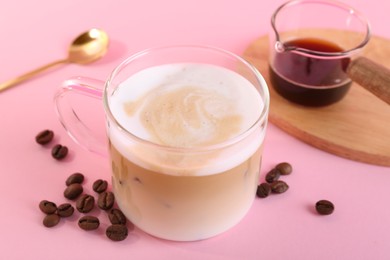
[[86, 48]]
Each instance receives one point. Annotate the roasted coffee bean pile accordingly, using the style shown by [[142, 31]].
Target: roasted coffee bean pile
[[85, 203], [272, 184], [54, 213], [58, 151]]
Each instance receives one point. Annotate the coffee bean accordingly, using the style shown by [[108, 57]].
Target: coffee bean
[[73, 191], [74, 178], [272, 175], [284, 168], [85, 203], [106, 200], [324, 207], [116, 216], [44, 137], [47, 207], [59, 152], [279, 187], [89, 222], [117, 232], [99, 186], [263, 190], [65, 210], [51, 220]]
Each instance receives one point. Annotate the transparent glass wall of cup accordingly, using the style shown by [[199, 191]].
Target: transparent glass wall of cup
[[172, 192], [311, 45]]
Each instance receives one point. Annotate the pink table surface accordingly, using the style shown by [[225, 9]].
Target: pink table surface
[[34, 33]]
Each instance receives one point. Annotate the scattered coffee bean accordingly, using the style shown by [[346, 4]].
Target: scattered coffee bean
[[263, 190], [106, 200], [59, 152], [65, 210], [272, 175], [47, 207], [74, 178], [324, 207], [51, 220], [117, 232], [99, 186], [284, 168], [73, 191], [44, 137], [85, 203], [116, 216], [279, 187], [89, 223]]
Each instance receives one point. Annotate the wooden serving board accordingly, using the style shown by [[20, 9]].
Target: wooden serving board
[[357, 127]]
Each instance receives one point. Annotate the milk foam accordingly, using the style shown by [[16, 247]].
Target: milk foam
[[186, 105]]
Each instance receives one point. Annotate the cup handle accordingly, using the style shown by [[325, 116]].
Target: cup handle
[[79, 130]]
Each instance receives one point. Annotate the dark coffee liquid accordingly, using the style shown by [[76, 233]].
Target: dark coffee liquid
[[310, 81]]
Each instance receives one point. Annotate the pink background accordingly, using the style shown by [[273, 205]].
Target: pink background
[[283, 226]]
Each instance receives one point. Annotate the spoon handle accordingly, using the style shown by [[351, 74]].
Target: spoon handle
[[372, 76], [28, 75]]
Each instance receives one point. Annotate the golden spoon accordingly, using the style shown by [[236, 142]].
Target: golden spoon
[[86, 48]]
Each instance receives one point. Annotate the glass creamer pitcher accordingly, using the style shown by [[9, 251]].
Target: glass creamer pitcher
[[312, 44]]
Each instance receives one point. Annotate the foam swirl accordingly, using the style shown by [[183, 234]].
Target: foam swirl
[[186, 105], [187, 116]]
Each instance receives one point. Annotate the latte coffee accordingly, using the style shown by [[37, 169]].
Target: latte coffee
[[190, 169], [185, 127]]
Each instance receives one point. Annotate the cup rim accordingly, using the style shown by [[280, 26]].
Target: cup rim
[[280, 46], [199, 149]]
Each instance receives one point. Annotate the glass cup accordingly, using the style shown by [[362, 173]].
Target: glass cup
[[311, 46], [185, 128]]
